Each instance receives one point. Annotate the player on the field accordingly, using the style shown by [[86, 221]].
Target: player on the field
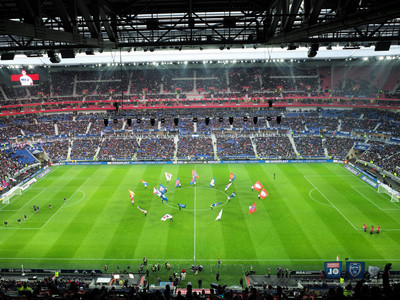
[[365, 227], [378, 229]]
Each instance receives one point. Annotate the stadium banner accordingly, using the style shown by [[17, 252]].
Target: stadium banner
[[333, 269], [28, 184], [271, 161], [369, 181], [45, 171], [363, 172], [352, 170], [395, 140], [355, 269], [299, 161], [361, 146]]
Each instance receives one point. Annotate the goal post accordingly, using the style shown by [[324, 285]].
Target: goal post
[[5, 198], [385, 189]]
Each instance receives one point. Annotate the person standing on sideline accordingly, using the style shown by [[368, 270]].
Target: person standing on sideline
[[19, 221], [65, 199], [372, 230], [25, 218], [378, 229], [274, 175], [219, 263], [217, 276], [200, 282], [365, 227], [5, 223], [241, 282]]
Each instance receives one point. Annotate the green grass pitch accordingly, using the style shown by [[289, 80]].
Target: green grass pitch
[[314, 212]]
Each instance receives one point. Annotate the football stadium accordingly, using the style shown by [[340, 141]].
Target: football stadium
[[192, 149]]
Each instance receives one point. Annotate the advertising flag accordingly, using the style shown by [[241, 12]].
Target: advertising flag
[[181, 205], [232, 177], [219, 216], [194, 174], [132, 194], [142, 210], [215, 204], [163, 197], [193, 181], [168, 176], [333, 269], [252, 208], [258, 186], [263, 193], [212, 182], [162, 189], [233, 195], [177, 183], [132, 200], [355, 269], [166, 217], [144, 183], [227, 186]]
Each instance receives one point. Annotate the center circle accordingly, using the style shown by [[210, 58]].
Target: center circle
[[188, 195]]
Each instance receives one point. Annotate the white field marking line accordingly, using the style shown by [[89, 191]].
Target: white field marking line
[[373, 202], [1, 209], [197, 187], [189, 259], [34, 197], [315, 175], [63, 204], [194, 221], [382, 195], [309, 194], [332, 205], [19, 228], [80, 200]]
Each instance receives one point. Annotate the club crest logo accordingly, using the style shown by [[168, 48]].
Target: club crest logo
[[355, 269]]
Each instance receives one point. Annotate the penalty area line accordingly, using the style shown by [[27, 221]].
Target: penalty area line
[[78, 189], [332, 205]]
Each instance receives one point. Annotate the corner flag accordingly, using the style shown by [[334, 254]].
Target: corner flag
[[227, 186], [193, 181]]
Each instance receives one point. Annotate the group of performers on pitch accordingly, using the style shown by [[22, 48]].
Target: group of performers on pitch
[[371, 231]]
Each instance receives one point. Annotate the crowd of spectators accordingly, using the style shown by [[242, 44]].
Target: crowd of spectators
[[383, 155], [84, 148], [8, 166], [57, 149], [195, 147], [309, 146], [156, 148], [274, 147], [338, 147], [112, 148], [234, 146]]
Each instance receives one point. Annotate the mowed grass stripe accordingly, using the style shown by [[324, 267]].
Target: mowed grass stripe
[[285, 219], [82, 217]]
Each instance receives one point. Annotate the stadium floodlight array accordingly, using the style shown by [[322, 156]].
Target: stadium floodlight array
[[13, 192], [384, 188]]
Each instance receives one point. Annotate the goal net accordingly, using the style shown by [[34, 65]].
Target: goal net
[[384, 188], [5, 199]]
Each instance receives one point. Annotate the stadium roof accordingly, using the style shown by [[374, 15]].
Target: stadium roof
[[33, 27]]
